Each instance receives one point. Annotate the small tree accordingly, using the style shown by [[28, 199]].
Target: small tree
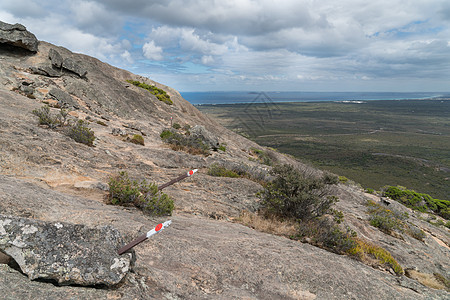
[[294, 196]]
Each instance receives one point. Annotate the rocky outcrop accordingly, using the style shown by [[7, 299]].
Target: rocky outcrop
[[207, 137], [17, 35], [63, 252], [63, 98], [74, 66], [55, 58]]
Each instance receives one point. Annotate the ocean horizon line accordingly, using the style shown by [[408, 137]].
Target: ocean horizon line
[[237, 97]]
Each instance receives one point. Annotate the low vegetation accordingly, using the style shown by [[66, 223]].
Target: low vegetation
[[262, 156], [78, 130], [137, 139], [81, 133], [418, 201], [299, 206], [221, 171], [392, 222], [293, 195], [255, 174], [145, 196], [184, 142], [366, 252], [159, 93]]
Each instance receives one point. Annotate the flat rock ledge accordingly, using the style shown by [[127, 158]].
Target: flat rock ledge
[[63, 252]]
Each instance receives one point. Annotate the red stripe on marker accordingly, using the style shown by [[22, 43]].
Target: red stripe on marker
[[158, 227]]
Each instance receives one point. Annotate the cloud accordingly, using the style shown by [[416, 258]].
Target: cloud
[[151, 51], [239, 43]]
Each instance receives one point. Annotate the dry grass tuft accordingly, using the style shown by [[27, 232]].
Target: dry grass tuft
[[268, 225], [428, 280]]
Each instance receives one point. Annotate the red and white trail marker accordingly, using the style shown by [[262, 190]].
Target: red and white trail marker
[[143, 237], [179, 178]]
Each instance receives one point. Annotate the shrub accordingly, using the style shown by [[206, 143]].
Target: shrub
[[223, 147], [418, 201], [159, 93], [370, 191], [416, 233], [325, 233], [99, 122], [343, 179], [137, 139], [126, 192], [386, 220], [45, 117], [221, 171], [81, 133], [187, 143], [294, 196], [263, 156], [176, 126]]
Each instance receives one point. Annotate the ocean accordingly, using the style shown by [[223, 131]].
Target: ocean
[[199, 98]]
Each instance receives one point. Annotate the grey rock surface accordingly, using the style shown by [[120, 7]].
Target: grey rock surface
[[74, 66], [55, 57], [63, 252], [17, 35], [46, 71], [64, 98]]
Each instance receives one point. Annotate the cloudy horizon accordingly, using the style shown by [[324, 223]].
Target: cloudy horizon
[[266, 45]]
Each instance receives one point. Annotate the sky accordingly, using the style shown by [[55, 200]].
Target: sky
[[255, 45]]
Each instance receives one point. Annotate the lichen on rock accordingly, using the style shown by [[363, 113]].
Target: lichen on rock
[[63, 252]]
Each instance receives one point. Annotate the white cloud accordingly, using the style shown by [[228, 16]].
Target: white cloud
[[153, 52]]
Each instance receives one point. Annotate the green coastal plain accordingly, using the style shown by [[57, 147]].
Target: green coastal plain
[[374, 143]]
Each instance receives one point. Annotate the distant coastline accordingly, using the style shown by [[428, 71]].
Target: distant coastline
[[217, 98]]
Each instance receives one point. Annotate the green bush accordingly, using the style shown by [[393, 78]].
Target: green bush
[[45, 117], [81, 133], [126, 192], [293, 195], [159, 93], [418, 201], [184, 142], [416, 233], [370, 191], [221, 171], [343, 179], [223, 147], [325, 233], [176, 126], [137, 139], [385, 219], [263, 156]]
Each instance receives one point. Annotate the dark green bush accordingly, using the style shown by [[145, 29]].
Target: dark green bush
[[293, 195], [137, 139], [327, 234], [221, 171], [385, 219], [81, 133], [126, 192], [418, 201], [190, 144], [176, 126], [159, 93], [416, 233], [45, 117], [263, 156]]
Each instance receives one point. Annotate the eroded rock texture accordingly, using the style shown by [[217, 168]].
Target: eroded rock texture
[[66, 253]]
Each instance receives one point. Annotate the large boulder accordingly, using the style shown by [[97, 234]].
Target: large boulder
[[63, 252], [74, 66], [17, 35]]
